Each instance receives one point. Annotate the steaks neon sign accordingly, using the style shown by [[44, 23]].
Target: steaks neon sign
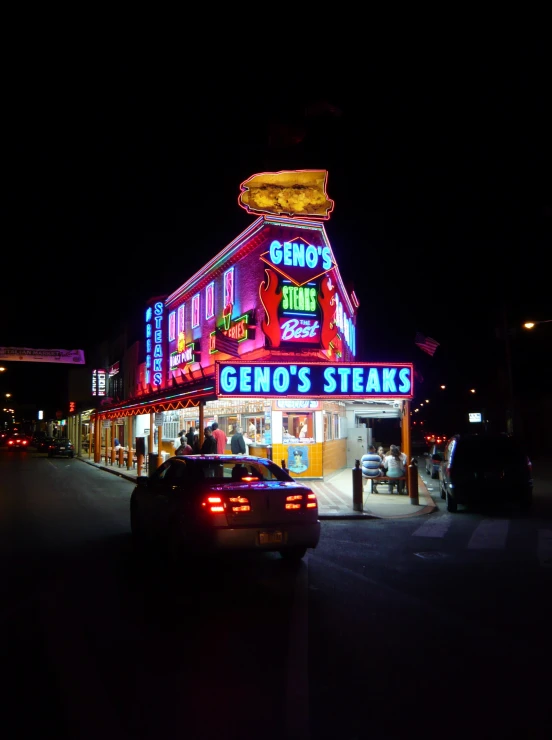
[[347, 380]]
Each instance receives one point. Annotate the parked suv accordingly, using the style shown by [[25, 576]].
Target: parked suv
[[485, 469]]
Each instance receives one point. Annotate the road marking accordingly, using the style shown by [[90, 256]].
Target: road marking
[[545, 547], [437, 527], [489, 535], [297, 683]]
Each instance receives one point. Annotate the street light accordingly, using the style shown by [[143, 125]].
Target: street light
[[8, 395], [532, 324], [443, 387]]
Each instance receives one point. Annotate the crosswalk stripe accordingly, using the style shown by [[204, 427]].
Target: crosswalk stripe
[[490, 534], [437, 527], [545, 547]]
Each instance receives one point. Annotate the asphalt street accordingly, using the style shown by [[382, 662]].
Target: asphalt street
[[435, 625]]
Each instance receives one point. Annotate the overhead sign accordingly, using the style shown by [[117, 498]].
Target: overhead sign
[[319, 380], [475, 418], [24, 354]]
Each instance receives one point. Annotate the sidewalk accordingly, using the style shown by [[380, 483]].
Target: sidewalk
[[335, 496]]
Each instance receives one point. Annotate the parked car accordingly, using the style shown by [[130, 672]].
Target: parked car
[[17, 441], [42, 444], [61, 447], [433, 459], [215, 503], [486, 469]]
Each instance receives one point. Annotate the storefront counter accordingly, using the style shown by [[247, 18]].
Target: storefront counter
[[258, 450]]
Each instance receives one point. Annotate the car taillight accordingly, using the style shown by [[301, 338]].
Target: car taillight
[[214, 504], [10, 442], [299, 501], [24, 441], [240, 503]]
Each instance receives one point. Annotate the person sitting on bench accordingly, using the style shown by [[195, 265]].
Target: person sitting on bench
[[394, 465]]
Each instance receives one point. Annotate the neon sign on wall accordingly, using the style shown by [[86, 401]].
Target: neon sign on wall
[[154, 344], [347, 380]]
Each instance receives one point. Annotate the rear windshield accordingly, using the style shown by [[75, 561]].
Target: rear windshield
[[501, 449]]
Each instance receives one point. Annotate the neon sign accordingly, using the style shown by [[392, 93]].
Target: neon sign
[[347, 380], [238, 330], [154, 344], [299, 261], [98, 382], [183, 357]]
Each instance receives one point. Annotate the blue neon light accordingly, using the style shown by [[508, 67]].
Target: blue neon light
[[316, 379]]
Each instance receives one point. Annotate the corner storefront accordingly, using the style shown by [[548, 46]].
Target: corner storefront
[[263, 337]]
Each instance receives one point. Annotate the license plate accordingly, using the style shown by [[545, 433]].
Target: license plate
[[62, 448], [270, 538]]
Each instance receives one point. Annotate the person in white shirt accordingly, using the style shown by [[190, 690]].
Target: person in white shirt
[[394, 465]]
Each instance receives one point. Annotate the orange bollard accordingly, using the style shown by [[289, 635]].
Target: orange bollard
[[412, 481]]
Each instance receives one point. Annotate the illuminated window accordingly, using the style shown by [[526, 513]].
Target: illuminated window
[[195, 311], [181, 318], [229, 287], [172, 326], [210, 301]]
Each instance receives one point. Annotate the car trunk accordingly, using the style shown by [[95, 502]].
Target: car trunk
[[264, 504]]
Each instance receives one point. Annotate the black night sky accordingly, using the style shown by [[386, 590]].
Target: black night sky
[[121, 181]]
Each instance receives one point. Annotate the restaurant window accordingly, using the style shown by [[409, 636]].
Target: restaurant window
[[181, 318], [327, 427], [195, 311], [228, 424], [229, 287], [297, 427], [172, 326], [254, 428], [335, 425], [210, 301]]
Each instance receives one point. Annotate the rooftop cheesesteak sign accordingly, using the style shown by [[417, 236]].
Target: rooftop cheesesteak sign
[[298, 380]]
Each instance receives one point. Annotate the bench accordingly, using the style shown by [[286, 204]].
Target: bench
[[384, 479]]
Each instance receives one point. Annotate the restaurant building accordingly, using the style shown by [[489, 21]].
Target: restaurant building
[[263, 337]]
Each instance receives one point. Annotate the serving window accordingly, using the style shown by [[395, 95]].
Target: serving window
[[297, 427]]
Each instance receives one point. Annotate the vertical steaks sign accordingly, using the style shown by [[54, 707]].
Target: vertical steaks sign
[[315, 379], [299, 297]]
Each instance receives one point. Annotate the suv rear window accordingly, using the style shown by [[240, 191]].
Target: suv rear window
[[499, 449]]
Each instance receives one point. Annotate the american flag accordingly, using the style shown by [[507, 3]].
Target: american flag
[[427, 344]]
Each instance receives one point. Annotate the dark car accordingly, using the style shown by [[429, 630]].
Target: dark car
[[61, 447], [215, 503], [486, 469], [42, 444], [433, 459], [18, 441]]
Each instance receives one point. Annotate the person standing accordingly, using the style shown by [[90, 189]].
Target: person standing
[[190, 434], [237, 442], [209, 446], [220, 438]]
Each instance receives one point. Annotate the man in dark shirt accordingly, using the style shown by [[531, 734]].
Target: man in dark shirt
[[237, 442]]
